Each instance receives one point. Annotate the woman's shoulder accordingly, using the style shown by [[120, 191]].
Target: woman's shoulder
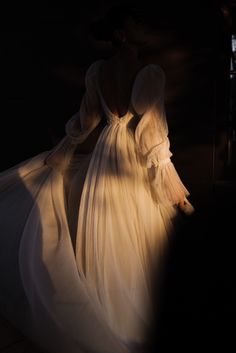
[[148, 87], [91, 72], [93, 67], [151, 72], [149, 77]]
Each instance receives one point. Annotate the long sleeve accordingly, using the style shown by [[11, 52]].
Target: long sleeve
[[80, 125], [151, 136]]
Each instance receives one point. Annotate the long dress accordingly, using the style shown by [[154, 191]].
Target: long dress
[[80, 234]]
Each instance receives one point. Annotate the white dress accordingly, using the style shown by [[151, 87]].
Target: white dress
[[118, 203]]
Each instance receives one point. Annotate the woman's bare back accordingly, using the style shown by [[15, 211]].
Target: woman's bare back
[[116, 82]]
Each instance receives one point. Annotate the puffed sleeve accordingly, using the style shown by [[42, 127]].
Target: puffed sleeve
[[151, 135], [80, 125]]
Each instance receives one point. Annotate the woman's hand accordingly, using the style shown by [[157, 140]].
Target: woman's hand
[[185, 206], [182, 204]]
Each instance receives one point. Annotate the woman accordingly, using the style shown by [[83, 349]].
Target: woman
[[90, 224]]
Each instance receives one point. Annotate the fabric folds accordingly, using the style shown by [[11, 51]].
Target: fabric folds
[[83, 235]]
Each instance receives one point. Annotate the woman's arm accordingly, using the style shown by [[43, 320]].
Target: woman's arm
[[152, 140], [82, 128]]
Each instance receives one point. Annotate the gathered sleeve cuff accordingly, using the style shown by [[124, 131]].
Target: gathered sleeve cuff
[[164, 178]]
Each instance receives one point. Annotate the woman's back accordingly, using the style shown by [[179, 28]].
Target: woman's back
[[116, 80]]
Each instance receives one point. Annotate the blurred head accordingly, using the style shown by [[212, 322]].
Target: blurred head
[[122, 25]]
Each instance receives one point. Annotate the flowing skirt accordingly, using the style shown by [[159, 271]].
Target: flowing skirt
[[78, 250]]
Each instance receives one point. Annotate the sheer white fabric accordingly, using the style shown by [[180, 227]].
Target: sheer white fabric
[[151, 135], [91, 228], [80, 125]]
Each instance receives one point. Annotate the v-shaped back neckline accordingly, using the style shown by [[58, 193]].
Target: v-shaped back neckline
[[131, 91]]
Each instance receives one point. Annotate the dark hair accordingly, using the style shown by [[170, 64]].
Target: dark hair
[[115, 18]]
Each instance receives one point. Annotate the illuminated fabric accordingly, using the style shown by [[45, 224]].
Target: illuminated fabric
[[115, 205]]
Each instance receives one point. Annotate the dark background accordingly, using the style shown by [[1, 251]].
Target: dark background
[[45, 52]]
